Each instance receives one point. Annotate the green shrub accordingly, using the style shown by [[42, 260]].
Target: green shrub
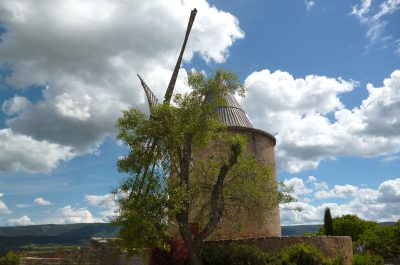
[[235, 254], [303, 254], [360, 259], [239, 254], [10, 259]]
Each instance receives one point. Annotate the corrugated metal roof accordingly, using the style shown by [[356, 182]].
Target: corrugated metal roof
[[233, 114]]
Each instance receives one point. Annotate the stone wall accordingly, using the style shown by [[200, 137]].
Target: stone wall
[[331, 246], [101, 254], [86, 257]]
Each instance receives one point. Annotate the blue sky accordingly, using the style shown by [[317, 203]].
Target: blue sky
[[322, 76]]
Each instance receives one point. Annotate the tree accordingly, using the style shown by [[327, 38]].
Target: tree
[[169, 176], [383, 240], [328, 223], [349, 225], [10, 259]]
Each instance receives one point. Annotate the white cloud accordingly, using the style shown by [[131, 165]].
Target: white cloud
[[311, 179], [106, 202], [41, 201], [102, 201], [311, 123], [23, 153], [337, 192], [309, 4], [70, 215], [15, 105], [87, 56], [321, 185], [361, 11], [24, 220], [379, 205], [390, 191], [3, 206], [297, 185], [375, 18]]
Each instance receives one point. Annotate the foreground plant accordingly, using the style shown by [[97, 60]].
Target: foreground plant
[[170, 176]]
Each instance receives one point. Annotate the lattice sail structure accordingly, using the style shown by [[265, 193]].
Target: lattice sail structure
[[151, 98]]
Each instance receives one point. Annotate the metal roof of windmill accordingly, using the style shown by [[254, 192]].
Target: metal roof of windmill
[[233, 115]]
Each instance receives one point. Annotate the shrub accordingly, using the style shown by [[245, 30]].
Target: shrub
[[239, 254], [10, 259], [235, 254], [303, 254], [360, 259]]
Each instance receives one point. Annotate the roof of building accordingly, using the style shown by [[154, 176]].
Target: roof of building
[[233, 115]]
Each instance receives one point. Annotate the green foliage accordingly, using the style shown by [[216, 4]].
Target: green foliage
[[240, 254], [236, 254], [369, 237], [166, 150], [382, 240], [361, 259], [328, 222], [349, 225], [302, 254], [10, 259]]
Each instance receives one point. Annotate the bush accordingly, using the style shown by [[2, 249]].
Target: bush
[[239, 254], [10, 259], [235, 254], [303, 254], [360, 259]]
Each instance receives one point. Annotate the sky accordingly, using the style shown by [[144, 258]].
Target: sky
[[322, 76]]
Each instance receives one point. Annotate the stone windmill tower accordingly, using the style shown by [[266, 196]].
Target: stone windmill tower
[[260, 144]]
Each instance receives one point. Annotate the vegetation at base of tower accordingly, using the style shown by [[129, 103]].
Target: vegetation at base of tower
[[238, 254], [370, 239], [367, 259], [171, 178], [328, 223]]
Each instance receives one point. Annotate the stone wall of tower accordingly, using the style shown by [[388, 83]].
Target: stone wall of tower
[[261, 145]]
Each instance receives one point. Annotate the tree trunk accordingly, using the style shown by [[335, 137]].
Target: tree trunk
[[194, 256]]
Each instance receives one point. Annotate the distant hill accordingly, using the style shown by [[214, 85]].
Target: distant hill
[[82, 230], [297, 230]]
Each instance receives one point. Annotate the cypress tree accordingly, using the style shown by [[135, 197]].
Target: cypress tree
[[328, 222]]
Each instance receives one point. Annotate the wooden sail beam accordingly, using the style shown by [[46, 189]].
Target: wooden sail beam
[[171, 85], [151, 98]]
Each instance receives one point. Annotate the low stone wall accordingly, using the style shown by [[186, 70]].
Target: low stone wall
[[82, 257], [101, 254], [331, 246]]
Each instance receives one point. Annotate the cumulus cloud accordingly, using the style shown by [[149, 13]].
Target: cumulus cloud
[[381, 204], [375, 17], [311, 123], [23, 153], [24, 220], [106, 202], [41, 201], [70, 215], [337, 192], [298, 186], [3, 206], [389, 191], [86, 56]]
